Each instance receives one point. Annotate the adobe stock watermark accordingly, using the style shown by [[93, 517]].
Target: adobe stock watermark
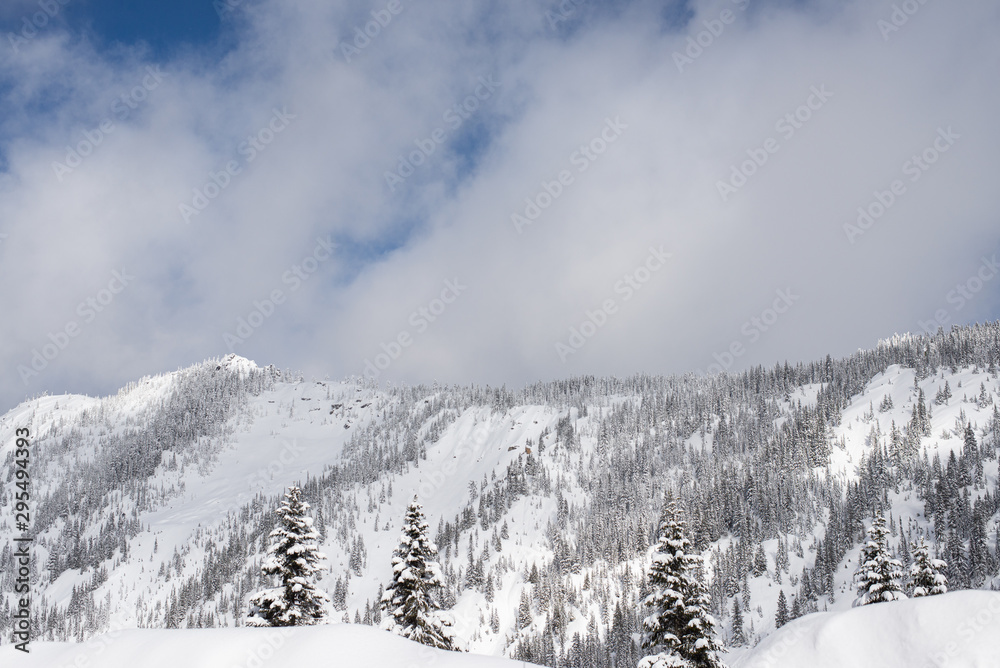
[[290, 451], [752, 330], [787, 126], [563, 12], [704, 39], [962, 294], [293, 277], [899, 17], [272, 640], [420, 320], [31, 24], [627, 286], [984, 622], [914, 168], [121, 108], [788, 640], [454, 117], [433, 482], [581, 158], [97, 645], [88, 311], [381, 18], [278, 467], [248, 150], [224, 7]]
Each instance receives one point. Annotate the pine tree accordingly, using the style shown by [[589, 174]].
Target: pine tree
[[971, 449], [879, 576], [678, 624], [943, 395], [524, 616], [781, 616], [759, 561], [926, 573], [980, 560], [413, 600], [797, 609], [294, 557], [739, 638], [955, 550]]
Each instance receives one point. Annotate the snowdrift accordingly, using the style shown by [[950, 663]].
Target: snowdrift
[[956, 629], [334, 646]]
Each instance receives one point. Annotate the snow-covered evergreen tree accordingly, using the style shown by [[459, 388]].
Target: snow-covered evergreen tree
[[781, 615], [294, 557], [678, 622], [739, 637], [927, 573], [879, 577], [413, 600]]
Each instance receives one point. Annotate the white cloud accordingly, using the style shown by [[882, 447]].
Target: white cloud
[[655, 185]]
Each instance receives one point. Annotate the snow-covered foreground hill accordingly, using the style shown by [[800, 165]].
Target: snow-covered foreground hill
[[957, 630], [334, 646]]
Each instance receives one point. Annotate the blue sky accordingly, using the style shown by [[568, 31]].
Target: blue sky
[[521, 190], [166, 27], [163, 26]]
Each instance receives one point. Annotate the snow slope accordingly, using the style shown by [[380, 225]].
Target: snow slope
[[336, 646], [296, 429], [899, 384], [956, 629]]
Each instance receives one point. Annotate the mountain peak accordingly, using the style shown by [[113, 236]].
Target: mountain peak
[[234, 362]]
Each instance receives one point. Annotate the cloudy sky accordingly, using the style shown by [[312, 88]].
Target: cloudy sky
[[488, 192]]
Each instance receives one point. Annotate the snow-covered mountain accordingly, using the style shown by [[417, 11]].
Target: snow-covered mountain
[[152, 506]]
